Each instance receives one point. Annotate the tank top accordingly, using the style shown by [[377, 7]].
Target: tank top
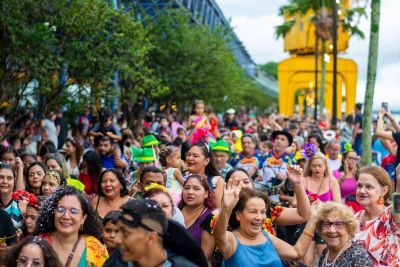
[[172, 183], [348, 186], [327, 196], [254, 255], [15, 213]]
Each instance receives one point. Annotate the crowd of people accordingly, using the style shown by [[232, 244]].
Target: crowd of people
[[233, 189]]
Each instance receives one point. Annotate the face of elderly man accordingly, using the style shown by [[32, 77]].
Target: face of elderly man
[[220, 159]]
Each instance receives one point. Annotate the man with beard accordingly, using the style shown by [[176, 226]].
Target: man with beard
[[105, 146]]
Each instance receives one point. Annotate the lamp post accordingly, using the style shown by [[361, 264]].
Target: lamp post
[[334, 42]]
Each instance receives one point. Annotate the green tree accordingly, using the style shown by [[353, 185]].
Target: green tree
[[371, 75], [87, 39], [270, 68], [195, 62]]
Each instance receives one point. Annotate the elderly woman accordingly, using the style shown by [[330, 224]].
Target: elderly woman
[[199, 160], [336, 225], [70, 225], [378, 227], [249, 244], [112, 192]]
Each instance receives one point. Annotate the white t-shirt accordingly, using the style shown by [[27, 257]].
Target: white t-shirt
[[334, 164]]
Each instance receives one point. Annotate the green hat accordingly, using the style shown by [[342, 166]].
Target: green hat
[[149, 140], [136, 152], [221, 145], [147, 155]]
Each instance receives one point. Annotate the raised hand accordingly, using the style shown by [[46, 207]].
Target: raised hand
[[231, 194], [315, 206], [294, 174]]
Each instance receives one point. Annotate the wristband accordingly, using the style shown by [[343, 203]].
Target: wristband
[[307, 233]]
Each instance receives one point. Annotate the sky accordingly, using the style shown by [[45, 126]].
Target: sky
[[254, 21]]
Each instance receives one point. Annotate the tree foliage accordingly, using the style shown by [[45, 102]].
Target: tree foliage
[[270, 68]]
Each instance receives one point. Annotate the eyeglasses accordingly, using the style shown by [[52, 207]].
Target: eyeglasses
[[326, 225], [24, 261], [72, 211]]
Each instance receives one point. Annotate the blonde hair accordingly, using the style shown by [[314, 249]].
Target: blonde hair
[[381, 176], [345, 213], [307, 168]]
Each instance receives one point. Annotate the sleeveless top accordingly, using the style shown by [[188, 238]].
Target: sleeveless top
[[172, 183], [254, 255], [327, 196], [348, 186], [195, 229]]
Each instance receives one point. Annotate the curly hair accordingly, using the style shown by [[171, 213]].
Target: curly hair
[[345, 213], [50, 257], [45, 223], [166, 152], [121, 179], [210, 201]]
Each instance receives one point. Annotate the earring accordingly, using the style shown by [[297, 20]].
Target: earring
[[380, 201], [81, 228], [238, 218]]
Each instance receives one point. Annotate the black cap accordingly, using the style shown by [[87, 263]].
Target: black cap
[[285, 133]]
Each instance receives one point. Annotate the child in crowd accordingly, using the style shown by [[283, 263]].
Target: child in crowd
[[106, 127], [170, 159]]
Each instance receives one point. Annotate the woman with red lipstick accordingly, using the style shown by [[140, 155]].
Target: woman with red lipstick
[[197, 203], [199, 160], [319, 185], [378, 228], [112, 192]]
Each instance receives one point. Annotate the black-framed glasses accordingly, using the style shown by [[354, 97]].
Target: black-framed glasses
[[326, 225], [72, 211]]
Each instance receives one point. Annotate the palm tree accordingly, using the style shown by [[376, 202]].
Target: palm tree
[[371, 74], [322, 19]]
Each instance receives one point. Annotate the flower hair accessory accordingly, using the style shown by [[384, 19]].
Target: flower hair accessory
[[26, 196], [154, 186], [308, 150], [200, 135]]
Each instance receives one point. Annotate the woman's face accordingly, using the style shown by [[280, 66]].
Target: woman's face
[[110, 235], [68, 216], [110, 185], [196, 161], [242, 177], [369, 190], [31, 255], [35, 177], [334, 231], [52, 164], [252, 217], [49, 185], [30, 218], [69, 148], [193, 193], [8, 158], [165, 203], [352, 159], [6, 181], [318, 167]]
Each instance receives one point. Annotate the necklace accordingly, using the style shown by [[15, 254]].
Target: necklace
[[332, 263], [196, 215]]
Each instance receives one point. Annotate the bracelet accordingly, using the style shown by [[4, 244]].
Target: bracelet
[[307, 233]]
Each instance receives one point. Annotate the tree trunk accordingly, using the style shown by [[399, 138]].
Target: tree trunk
[[323, 78], [371, 75]]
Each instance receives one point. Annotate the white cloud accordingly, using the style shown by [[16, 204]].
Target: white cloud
[[254, 22]]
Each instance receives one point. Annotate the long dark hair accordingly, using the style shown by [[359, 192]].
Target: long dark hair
[[45, 223], [78, 148], [33, 164], [210, 169], [210, 200], [49, 255], [93, 162], [121, 179]]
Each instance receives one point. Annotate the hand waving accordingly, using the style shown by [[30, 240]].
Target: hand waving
[[294, 174], [231, 194]]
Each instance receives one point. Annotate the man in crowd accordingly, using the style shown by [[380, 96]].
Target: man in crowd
[[105, 146], [333, 159], [221, 154]]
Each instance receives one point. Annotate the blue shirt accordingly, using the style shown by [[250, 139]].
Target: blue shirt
[[108, 161], [261, 255], [238, 160]]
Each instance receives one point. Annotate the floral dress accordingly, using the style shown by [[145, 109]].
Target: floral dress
[[380, 237]]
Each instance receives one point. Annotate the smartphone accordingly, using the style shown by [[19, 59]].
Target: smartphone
[[385, 106], [396, 203]]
